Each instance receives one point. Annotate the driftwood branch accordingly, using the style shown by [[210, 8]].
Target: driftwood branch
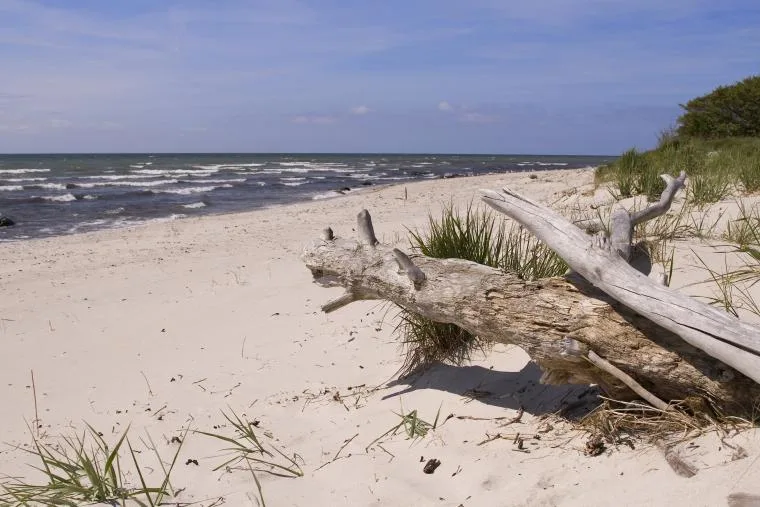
[[657, 344], [616, 372], [721, 336]]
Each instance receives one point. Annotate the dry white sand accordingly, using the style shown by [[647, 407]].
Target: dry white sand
[[162, 326]]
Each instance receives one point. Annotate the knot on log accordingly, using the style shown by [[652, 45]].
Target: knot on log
[[406, 265]]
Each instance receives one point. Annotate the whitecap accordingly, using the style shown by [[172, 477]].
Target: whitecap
[[10, 188], [23, 180], [23, 171], [191, 190], [60, 198], [194, 205], [152, 183], [121, 176], [49, 186]]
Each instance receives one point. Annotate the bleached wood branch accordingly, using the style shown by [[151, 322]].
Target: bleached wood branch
[[721, 336]]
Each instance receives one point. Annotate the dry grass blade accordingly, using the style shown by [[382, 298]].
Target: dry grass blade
[[245, 446], [413, 426]]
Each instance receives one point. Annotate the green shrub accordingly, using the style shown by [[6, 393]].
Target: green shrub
[[728, 111]]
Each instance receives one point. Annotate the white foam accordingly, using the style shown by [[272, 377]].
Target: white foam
[[20, 180], [191, 190], [219, 167], [60, 198], [50, 186], [194, 205], [10, 188], [137, 166], [175, 172], [23, 171], [292, 178], [153, 183], [115, 211], [115, 177], [328, 195], [232, 180], [90, 197], [294, 183]]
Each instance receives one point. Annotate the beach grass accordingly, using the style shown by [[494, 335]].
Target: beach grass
[[245, 446], [476, 235], [716, 168], [84, 468]]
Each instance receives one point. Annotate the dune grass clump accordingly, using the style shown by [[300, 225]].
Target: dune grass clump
[[716, 167], [85, 469], [477, 236]]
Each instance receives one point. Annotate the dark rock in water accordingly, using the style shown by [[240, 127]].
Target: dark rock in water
[[367, 183], [6, 221], [452, 175], [343, 190], [69, 186]]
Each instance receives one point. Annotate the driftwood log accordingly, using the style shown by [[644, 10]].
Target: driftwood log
[[603, 323]]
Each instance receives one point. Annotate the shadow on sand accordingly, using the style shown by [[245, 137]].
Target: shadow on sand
[[510, 390]]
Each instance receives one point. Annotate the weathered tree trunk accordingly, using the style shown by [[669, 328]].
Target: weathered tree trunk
[[658, 343]]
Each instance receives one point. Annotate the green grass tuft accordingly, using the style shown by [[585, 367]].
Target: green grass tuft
[[476, 236], [84, 468]]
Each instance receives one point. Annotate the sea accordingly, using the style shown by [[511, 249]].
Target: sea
[[50, 195]]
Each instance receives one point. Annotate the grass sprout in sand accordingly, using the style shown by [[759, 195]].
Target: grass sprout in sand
[[84, 468], [247, 448], [413, 426]]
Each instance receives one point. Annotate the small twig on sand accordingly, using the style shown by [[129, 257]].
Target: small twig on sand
[[150, 391], [242, 348], [515, 419], [36, 414], [337, 454]]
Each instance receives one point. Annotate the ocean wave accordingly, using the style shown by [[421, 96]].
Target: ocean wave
[[327, 195], [231, 180], [59, 198], [152, 183], [195, 205], [23, 171], [294, 183], [10, 188], [23, 180], [174, 172], [220, 167], [191, 190], [47, 186], [292, 178], [114, 211], [121, 176]]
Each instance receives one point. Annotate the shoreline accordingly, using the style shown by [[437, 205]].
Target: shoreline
[[162, 326]]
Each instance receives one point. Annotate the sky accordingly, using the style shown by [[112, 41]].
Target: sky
[[402, 76]]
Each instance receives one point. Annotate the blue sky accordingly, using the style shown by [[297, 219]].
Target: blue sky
[[467, 76]]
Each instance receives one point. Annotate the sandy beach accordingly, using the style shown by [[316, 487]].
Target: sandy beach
[[161, 327]]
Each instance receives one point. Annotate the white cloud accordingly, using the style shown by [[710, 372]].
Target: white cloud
[[314, 120], [444, 106], [359, 110]]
